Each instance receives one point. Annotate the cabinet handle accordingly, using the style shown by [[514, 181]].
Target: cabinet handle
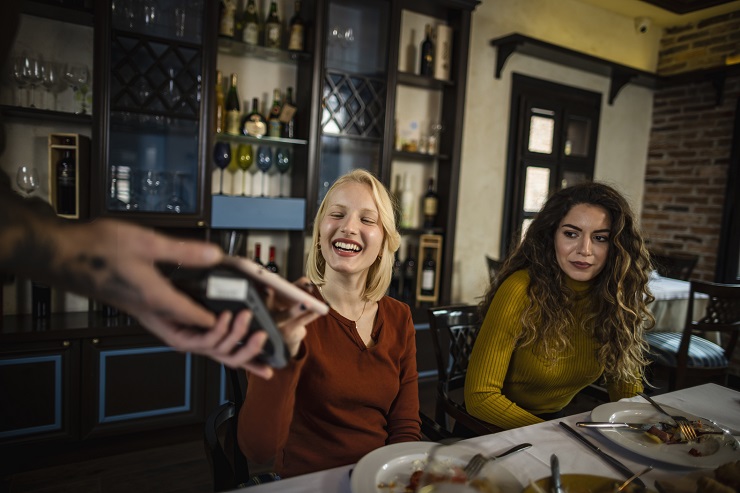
[[65, 343], [95, 340]]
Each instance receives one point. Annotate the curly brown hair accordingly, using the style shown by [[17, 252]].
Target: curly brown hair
[[619, 295]]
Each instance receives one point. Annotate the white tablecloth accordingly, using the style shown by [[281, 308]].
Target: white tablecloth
[[672, 301], [709, 400]]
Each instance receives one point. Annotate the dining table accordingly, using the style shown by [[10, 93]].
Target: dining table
[[711, 401], [672, 302]]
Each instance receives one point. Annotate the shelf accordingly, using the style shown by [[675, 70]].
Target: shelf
[[248, 139], [421, 231], [63, 14], [36, 114], [414, 80], [619, 75], [418, 156], [228, 212], [237, 48]]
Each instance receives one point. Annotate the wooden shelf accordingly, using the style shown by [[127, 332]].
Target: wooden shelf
[[270, 141], [263, 213], [415, 80], [37, 114], [237, 48]]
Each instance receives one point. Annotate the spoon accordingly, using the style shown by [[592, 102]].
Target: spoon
[[632, 478]]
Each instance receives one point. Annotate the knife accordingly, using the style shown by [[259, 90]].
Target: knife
[[608, 458], [556, 486], [609, 424]]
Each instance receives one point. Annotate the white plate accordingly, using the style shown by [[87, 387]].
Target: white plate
[[678, 454], [395, 464]]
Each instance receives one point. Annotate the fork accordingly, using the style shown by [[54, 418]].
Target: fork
[[683, 424], [479, 460]]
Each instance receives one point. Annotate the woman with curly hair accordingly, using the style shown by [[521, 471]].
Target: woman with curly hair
[[352, 385], [568, 307]]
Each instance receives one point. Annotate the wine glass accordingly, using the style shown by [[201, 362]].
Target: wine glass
[[20, 76], [27, 179], [32, 67], [50, 81], [232, 168], [77, 76], [151, 186], [282, 163], [221, 157], [264, 163], [176, 203], [244, 160]]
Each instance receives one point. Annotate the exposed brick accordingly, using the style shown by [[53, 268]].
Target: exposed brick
[[679, 29], [714, 20]]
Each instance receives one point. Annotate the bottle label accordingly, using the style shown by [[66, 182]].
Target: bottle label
[[287, 112], [251, 34], [272, 36], [427, 280], [430, 206], [232, 122], [226, 27], [255, 127], [274, 128], [296, 38]]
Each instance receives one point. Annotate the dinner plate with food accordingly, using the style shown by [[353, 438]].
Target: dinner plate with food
[[584, 483], [398, 468], [640, 428]]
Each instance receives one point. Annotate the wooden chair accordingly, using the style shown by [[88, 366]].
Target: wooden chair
[[687, 354], [494, 266], [454, 329], [676, 265]]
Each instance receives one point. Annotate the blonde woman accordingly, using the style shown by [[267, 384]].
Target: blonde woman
[[352, 384], [568, 307]]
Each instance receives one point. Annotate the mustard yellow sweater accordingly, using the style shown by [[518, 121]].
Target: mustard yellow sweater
[[507, 386]]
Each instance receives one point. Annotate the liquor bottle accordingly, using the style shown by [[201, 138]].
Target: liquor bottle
[[252, 27], [220, 116], [274, 127], [232, 109], [287, 115], [258, 253], [273, 28], [427, 53], [407, 204], [409, 276], [297, 30], [66, 198], [395, 288], [430, 205], [428, 273], [271, 265], [254, 123], [226, 24]]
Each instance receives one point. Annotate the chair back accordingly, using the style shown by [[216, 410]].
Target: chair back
[[229, 467], [494, 266], [675, 265]]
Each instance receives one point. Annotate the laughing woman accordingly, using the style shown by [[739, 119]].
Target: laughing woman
[[352, 384], [569, 305]]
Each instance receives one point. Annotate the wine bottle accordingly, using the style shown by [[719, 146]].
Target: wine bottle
[[428, 273], [274, 127], [297, 29], [430, 205], [273, 27], [395, 288], [407, 204], [40, 300], [258, 253], [252, 27], [254, 123], [220, 116], [271, 265], [66, 197], [226, 24], [427, 53], [409, 276], [232, 109], [287, 115]]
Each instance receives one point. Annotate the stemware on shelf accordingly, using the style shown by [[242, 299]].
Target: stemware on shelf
[[176, 203], [233, 187], [152, 185], [20, 76], [27, 179], [282, 163], [221, 157], [244, 160], [50, 81], [34, 76], [77, 76], [264, 163]]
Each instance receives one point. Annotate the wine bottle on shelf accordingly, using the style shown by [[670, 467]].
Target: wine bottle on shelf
[[220, 116], [409, 276], [427, 53], [40, 300], [66, 197], [252, 26], [258, 253], [297, 29], [232, 109], [274, 127], [395, 288], [430, 205], [273, 29], [253, 123], [271, 265], [287, 115], [407, 204], [227, 10], [428, 273]]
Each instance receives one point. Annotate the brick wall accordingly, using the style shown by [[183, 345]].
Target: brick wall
[[690, 144]]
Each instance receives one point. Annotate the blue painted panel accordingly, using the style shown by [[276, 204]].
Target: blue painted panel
[[258, 213], [57, 424], [104, 355]]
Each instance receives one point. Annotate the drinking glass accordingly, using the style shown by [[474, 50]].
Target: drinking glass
[[77, 76], [20, 76], [232, 168], [221, 157], [27, 179], [264, 163], [151, 187], [176, 203], [282, 163], [50, 81], [244, 160], [34, 76]]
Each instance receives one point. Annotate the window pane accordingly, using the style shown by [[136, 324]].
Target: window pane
[[576, 142], [541, 130], [571, 178], [536, 188], [525, 227]]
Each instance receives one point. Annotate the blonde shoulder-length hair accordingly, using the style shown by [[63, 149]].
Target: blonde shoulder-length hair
[[379, 274]]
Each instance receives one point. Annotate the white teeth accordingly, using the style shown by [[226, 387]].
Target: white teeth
[[347, 246]]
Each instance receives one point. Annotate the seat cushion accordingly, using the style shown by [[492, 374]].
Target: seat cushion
[[702, 353]]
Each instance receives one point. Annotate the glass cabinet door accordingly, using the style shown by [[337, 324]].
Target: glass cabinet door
[[354, 89], [154, 103]]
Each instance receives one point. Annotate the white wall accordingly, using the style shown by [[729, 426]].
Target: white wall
[[623, 129]]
